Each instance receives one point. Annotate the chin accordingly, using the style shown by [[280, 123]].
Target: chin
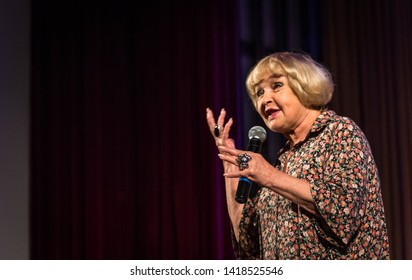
[[271, 126]]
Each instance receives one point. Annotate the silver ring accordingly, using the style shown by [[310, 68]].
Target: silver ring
[[242, 161]]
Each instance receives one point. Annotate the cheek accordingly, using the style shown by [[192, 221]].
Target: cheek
[[258, 107]]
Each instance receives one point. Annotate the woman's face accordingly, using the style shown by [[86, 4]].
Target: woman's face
[[278, 106]]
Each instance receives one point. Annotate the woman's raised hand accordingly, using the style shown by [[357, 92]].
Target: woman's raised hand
[[220, 129]]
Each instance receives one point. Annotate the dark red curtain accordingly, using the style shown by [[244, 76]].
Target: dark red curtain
[[122, 163]]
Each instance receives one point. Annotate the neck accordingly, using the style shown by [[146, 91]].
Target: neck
[[302, 129]]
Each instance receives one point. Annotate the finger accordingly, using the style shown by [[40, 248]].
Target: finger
[[226, 129], [221, 118], [230, 151], [231, 143], [228, 158], [210, 120], [220, 123], [237, 174]]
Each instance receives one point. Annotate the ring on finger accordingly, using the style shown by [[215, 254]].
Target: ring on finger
[[242, 160], [217, 130]]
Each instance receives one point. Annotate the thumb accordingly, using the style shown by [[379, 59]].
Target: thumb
[[231, 143]]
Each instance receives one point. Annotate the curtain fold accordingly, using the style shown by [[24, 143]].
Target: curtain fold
[[368, 48], [123, 165]]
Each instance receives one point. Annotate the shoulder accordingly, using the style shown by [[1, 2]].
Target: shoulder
[[339, 124], [340, 131], [346, 136]]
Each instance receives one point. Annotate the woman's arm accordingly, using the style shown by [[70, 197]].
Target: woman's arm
[[266, 175], [223, 140]]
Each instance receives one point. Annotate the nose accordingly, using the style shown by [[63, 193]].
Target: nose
[[264, 101], [266, 98]]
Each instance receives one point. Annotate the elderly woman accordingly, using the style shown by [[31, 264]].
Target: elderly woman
[[322, 197]]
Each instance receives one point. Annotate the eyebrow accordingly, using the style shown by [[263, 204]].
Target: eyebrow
[[276, 75], [273, 76]]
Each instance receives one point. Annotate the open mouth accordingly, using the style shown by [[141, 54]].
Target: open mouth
[[271, 113]]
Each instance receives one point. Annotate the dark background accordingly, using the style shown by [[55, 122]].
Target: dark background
[[122, 165]]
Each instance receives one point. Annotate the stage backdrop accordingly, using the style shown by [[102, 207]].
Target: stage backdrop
[[122, 163]]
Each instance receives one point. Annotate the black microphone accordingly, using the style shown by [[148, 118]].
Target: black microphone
[[257, 135]]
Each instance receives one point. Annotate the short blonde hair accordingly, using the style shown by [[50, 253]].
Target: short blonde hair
[[310, 81]]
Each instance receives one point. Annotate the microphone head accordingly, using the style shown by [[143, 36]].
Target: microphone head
[[257, 132]]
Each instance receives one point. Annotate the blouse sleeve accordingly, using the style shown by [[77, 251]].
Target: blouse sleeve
[[340, 190], [248, 245]]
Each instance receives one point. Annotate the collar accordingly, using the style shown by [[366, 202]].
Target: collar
[[320, 123]]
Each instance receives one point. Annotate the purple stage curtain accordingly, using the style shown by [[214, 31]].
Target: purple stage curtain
[[122, 163], [367, 45]]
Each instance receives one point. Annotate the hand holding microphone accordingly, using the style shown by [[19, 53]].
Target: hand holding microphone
[[257, 135], [241, 159]]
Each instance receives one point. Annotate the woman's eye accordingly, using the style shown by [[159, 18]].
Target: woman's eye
[[277, 85], [259, 93]]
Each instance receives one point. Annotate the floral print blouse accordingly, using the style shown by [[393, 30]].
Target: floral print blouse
[[336, 159]]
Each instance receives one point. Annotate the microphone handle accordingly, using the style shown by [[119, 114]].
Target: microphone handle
[[244, 185], [254, 145]]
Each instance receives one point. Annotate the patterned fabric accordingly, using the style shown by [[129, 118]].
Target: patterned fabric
[[336, 160]]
